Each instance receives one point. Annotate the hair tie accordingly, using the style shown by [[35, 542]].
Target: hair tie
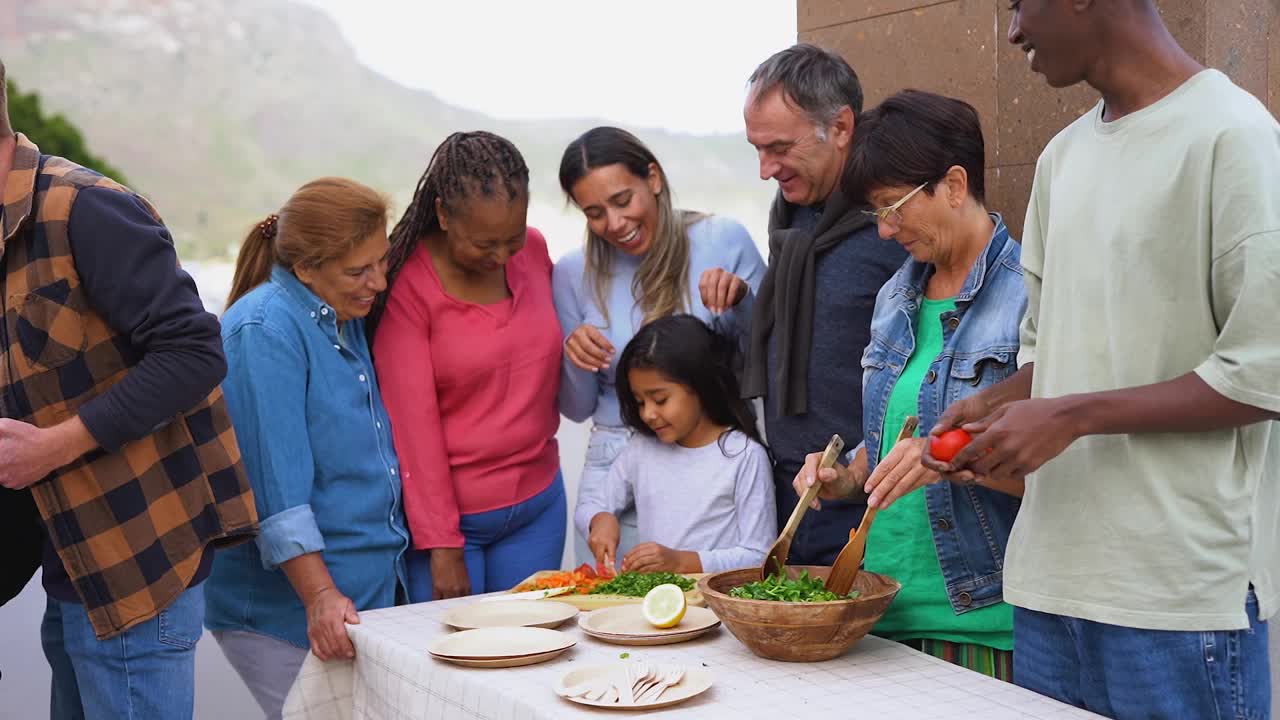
[[268, 227]]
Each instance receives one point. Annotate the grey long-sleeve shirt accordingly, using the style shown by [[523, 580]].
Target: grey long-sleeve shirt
[[716, 500]]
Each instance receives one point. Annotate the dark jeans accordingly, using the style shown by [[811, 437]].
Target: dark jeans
[[822, 534], [1127, 673]]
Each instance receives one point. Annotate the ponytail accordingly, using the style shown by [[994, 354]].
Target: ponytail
[[253, 264]]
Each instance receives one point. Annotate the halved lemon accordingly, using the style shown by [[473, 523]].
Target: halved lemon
[[664, 606]]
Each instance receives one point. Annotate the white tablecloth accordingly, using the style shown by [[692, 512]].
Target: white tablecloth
[[393, 677]]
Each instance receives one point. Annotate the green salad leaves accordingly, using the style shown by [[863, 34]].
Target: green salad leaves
[[636, 584], [781, 588]]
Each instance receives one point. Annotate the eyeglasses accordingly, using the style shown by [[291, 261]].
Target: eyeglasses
[[892, 214]]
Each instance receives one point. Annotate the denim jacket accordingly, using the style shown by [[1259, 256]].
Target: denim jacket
[[980, 348]]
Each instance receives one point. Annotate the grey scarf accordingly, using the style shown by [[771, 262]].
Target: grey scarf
[[784, 303]]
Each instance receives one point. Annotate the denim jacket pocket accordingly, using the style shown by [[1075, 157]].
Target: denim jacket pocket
[[973, 372]]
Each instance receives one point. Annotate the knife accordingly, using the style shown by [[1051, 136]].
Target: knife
[[531, 595]]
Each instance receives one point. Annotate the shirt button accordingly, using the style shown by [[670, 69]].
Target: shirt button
[[943, 524], [324, 311], [313, 314], [393, 471], [337, 347], [953, 323], [965, 599], [361, 378], [379, 425], [931, 377]]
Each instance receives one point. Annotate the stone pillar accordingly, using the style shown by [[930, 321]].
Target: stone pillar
[[959, 48]]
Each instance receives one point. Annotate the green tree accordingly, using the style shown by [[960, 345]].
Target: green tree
[[54, 133]]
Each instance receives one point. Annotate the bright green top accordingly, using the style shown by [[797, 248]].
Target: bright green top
[[901, 541]]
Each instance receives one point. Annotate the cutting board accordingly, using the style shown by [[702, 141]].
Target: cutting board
[[595, 602]]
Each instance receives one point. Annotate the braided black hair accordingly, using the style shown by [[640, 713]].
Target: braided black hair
[[465, 165]]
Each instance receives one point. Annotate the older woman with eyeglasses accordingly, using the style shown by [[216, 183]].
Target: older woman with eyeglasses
[[944, 327]]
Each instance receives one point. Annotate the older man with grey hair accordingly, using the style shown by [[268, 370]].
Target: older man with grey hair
[[827, 261]]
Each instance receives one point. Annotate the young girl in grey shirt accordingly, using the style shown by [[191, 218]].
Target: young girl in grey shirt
[[696, 471]]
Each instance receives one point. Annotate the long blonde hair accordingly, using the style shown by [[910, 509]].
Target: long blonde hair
[[661, 285], [324, 220]]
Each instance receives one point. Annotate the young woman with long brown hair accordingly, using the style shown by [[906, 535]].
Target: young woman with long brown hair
[[644, 259]]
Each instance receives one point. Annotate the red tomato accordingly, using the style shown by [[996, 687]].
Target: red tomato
[[948, 444], [604, 571], [586, 570]]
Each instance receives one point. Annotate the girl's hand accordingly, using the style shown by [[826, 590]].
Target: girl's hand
[[652, 557], [603, 538], [328, 611], [899, 473], [721, 289], [588, 348]]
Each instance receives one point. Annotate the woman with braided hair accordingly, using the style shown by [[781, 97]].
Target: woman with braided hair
[[467, 347]]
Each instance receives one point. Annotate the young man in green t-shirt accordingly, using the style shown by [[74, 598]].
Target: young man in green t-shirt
[[1146, 555]]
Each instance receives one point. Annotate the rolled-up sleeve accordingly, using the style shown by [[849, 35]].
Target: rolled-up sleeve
[[266, 396]]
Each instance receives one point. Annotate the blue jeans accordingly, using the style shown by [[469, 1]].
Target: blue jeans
[[1126, 673], [503, 546], [148, 671]]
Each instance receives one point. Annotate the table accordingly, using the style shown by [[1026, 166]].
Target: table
[[394, 678]]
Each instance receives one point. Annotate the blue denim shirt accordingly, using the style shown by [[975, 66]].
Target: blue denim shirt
[[980, 348], [317, 447]]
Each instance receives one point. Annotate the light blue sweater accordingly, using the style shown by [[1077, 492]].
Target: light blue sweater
[[713, 242]]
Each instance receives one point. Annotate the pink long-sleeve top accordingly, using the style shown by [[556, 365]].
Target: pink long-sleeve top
[[471, 392]]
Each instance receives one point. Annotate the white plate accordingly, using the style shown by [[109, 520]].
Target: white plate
[[695, 682], [512, 613], [499, 642], [625, 625], [505, 662]]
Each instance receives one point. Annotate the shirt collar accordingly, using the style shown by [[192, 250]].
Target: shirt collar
[[912, 282], [20, 188], [319, 310]]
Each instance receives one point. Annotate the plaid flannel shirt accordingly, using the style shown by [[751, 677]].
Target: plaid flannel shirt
[[129, 526]]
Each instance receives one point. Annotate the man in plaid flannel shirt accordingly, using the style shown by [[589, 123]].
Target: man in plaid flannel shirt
[[112, 421]]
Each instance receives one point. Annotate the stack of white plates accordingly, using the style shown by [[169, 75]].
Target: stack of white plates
[[625, 625], [496, 647]]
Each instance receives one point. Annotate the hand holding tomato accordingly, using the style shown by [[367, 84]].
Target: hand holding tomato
[[945, 446]]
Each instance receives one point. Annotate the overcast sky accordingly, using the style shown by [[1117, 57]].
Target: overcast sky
[[676, 64]]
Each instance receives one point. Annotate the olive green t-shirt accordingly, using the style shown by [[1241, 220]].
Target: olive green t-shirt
[[1152, 250]]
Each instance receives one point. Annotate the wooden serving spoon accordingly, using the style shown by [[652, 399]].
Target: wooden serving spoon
[[845, 569], [776, 560]]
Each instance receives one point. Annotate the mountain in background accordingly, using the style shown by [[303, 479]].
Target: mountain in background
[[218, 110]]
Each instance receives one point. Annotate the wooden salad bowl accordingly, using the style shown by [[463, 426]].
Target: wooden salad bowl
[[798, 631]]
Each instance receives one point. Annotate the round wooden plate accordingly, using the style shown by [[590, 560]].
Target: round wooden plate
[[625, 625], [510, 613]]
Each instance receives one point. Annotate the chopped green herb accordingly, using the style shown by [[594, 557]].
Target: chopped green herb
[[635, 584], [624, 656], [783, 589]]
